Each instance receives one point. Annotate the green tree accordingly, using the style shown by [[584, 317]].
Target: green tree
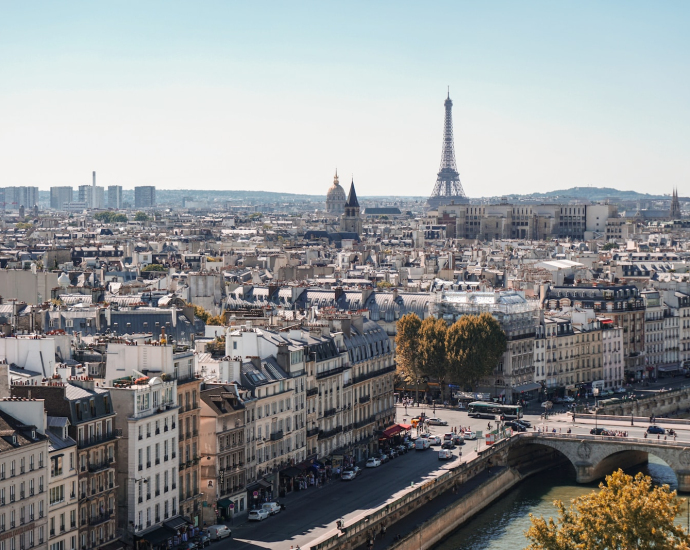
[[609, 246], [155, 267], [202, 314], [407, 349], [110, 217], [474, 345], [432, 350], [381, 285], [626, 513], [141, 217]]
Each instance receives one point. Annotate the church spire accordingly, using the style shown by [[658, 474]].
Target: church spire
[[352, 201]]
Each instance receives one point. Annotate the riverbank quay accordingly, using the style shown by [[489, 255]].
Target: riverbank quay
[[357, 533]]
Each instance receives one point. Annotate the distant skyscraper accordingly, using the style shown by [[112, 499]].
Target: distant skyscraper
[[675, 213], [145, 196], [60, 196], [115, 196], [14, 197], [448, 187], [335, 198]]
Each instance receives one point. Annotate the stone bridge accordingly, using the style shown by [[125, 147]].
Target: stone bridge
[[593, 457]]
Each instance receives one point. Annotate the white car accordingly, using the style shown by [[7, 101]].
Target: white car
[[373, 463], [348, 475], [257, 515], [436, 422], [568, 399], [619, 390], [470, 435], [435, 440]]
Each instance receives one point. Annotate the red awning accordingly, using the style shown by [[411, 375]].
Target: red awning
[[405, 426], [393, 430]]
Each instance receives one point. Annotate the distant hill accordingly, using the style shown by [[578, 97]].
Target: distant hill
[[588, 193]]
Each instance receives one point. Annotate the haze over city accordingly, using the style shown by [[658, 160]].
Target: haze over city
[[275, 96]]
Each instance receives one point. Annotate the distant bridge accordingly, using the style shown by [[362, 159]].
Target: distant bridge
[[593, 456]]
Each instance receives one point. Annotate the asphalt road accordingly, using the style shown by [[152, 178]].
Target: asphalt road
[[311, 514]]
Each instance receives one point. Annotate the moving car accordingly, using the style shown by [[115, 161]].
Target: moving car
[[348, 475], [448, 444], [257, 515], [435, 440], [217, 532], [445, 454], [436, 422], [515, 426], [525, 423], [271, 507], [568, 399], [599, 431], [620, 390], [373, 463], [656, 430], [470, 436], [422, 444]]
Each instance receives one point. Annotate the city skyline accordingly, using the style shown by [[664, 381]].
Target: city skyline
[[238, 97]]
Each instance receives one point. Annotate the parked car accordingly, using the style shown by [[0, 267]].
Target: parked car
[[433, 421], [435, 440], [202, 540], [568, 399], [656, 430], [445, 454], [402, 449], [187, 546], [348, 475], [217, 532], [383, 458], [257, 515], [409, 445], [373, 462], [599, 431]]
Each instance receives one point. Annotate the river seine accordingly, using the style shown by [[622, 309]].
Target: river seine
[[502, 526]]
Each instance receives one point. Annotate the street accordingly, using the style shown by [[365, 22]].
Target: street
[[312, 513]]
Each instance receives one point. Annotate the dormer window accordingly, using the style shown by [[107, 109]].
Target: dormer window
[[14, 440], [33, 434]]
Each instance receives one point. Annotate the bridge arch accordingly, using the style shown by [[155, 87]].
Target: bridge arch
[[593, 457]]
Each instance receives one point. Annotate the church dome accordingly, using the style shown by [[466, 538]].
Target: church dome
[[335, 192], [335, 198]]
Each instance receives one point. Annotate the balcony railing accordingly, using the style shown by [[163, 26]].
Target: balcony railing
[[276, 436], [365, 399], [327, 373], [312, 432], [330, 433], [99, 518], [329, 412], [312, 391], [98, 466], [96, 439], [373, 374]]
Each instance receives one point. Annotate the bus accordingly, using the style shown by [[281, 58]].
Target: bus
[[481, 409]]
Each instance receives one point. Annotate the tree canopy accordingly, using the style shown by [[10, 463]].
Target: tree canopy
[[141, 217], [625, 513], [474, 346], [154, 267], [432, 349], [110, 217]]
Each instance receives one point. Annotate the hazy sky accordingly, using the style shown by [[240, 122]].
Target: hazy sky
[[276, 95]]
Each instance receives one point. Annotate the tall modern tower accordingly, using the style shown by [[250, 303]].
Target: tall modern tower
[[448, 187]]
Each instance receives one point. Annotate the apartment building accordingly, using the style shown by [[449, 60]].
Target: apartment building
[[91, 415], [222, 453], [554, 354], [23, 475], [372, 366], [170, 364], [621, 303], [63, 503], [653, 330], [679, 305], [612, 353]]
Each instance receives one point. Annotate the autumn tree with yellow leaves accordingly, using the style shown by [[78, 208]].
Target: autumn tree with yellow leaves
[[626, 513]]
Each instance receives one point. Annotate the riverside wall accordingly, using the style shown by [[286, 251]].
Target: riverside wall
[[662, 403], [450, 518]]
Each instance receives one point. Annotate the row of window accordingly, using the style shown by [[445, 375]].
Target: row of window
[[22, 466]]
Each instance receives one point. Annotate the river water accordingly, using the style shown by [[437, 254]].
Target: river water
[[502, 526]]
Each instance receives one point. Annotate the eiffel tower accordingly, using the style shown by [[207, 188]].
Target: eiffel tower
[[448, 187]]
